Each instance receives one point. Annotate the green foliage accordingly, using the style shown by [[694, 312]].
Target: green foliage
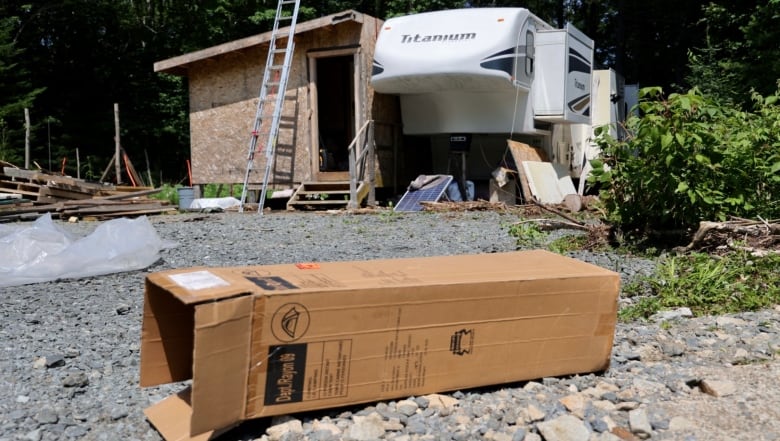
[[689, 159], [168, 193], [527, 234], [568, 243], [16, 93], [740, 53], [707, 284]]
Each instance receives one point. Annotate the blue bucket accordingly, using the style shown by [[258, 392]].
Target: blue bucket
[[186, 196]]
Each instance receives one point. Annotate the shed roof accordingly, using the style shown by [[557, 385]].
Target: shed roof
[[178, 65]]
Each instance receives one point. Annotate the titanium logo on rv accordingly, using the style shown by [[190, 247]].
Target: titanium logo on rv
[[417, 38]]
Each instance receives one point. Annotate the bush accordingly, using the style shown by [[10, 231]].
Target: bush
[[689, 159]]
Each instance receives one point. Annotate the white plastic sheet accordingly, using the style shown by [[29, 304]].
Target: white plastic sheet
[[222, 203], [43, 251]]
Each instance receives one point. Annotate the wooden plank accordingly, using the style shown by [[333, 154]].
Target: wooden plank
[[31, 194], [34, 209], [6, 196], [178, 65], [112, 209], [24, 188], [135, 213], [520, 153], [33, 175], [524, 152], [47, 193], [133, 194]]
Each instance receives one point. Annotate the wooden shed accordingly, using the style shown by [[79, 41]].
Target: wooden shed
[[328, 99]]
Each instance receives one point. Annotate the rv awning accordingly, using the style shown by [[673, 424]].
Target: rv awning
[[179, 65]]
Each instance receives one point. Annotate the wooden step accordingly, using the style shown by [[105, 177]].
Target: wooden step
[[324, 194]]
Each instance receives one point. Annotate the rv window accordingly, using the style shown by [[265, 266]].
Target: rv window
[[529, 53]]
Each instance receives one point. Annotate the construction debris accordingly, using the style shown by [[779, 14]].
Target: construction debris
[[758, 237], [27, 194], [479, 205]]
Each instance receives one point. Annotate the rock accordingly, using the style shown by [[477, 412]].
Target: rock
[[674, 314], [422, 402], [605, 436], [34, 435], [117, 413], [75, 432], [627, 405], [366, 428], [323, 426], [21, 399], [393, 425], [122, 309], [281, 431], [624, 434], [604, 405], [681, 424], [535, 414], [47, 415], [740, 355], [417, 427], [640, 423], [492, 435], [724, 321], [564, 428], [55, 360], [672, 348], [75, 379], [718, 388], [407, 407], [532, 437], [519, 434], [575, 404], [437, 401]]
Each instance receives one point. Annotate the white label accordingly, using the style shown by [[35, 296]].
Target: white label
[[198, 280]]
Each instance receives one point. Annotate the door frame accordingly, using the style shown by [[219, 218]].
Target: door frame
[[314, 145]]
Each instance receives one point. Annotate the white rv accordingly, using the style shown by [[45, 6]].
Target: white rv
[[493, 73]]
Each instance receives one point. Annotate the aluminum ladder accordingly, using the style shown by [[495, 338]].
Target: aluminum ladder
[[271, 100]]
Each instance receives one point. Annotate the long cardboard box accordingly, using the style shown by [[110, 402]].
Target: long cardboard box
[[278, 339]]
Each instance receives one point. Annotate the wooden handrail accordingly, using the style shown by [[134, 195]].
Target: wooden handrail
[[354, 159]]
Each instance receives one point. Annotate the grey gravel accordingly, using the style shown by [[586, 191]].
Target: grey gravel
[[69, 349]]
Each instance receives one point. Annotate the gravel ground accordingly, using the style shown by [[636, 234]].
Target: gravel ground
[[70, 349]]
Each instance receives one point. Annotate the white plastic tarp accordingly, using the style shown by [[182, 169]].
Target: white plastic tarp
[[43, 251], [222, 203]]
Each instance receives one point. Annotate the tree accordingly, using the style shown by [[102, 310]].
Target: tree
[[17, 93]]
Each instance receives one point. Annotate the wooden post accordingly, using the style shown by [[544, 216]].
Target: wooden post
[[78, 164], [117, 155], [149, 170], [26, 138]]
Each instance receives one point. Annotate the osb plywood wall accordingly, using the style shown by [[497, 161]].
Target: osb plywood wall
[[223, 100]]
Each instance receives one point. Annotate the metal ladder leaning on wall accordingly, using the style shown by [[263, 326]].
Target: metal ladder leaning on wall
[[271, 98]]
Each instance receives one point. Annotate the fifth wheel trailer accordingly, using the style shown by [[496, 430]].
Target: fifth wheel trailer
[[490, 73]]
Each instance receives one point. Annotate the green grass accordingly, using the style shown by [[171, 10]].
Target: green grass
[[569, 242], [707, 284], [527, 234]]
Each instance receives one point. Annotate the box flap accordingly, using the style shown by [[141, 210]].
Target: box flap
[[166, 338], [171, 417], [221, 362], [197, 285]]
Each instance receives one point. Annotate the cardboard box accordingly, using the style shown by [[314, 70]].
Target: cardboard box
[[279, 339]]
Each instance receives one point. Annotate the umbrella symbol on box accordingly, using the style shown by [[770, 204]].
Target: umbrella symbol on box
[[290, 322]]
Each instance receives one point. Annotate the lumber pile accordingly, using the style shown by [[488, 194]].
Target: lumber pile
[[27, 194]]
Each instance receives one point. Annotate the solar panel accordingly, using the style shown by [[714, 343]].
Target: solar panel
[[430, 192]]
